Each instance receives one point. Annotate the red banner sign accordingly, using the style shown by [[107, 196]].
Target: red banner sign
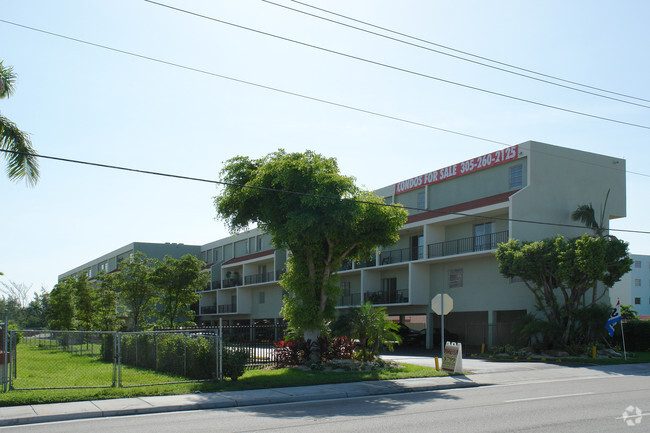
[[460, 169]]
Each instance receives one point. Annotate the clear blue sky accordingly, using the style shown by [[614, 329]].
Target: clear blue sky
[[83, 102]]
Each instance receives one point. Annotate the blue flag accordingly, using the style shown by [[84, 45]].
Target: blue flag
[[614, 318]]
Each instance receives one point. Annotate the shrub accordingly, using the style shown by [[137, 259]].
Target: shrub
[[289, 353], [342, 348], [637, 335], [234, 363]]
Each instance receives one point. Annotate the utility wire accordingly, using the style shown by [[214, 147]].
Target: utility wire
[[304, 194], [456, 56], [250, 83], [469, 54], [397, 68]]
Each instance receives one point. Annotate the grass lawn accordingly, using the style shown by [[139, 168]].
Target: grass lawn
[[44, 367]]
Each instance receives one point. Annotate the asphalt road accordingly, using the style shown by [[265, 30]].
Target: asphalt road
[[569, 405]]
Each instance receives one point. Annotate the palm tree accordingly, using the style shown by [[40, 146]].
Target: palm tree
[[587, 215], [21, 162]]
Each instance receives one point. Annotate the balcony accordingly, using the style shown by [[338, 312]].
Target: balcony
[[231, 282], [227, 308], [400, 255], [210, 309], [370, 261], [346, 265], [350, 299], [264, 277], [399, 296], [467, 245]]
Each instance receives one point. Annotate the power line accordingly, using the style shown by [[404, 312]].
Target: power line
[[470, 54], [399, 69], [455, 56], [250, 83], [304, 194]]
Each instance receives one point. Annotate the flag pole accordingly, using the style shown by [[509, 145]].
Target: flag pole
[[623, 336]]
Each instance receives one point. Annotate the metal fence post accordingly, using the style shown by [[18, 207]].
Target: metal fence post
[[119, 360], [114, 335], [5, 369]]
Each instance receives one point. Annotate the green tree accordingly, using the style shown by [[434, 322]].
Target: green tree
[[560, 271], [324, 220], [136, 290], [84, 302], [108, 318], [60, 308], [177, 281], [370, 326], [21, 164], [35, 314]]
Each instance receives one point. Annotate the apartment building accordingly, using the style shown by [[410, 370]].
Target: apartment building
[[109, 262], [457, 216], [634, 287]]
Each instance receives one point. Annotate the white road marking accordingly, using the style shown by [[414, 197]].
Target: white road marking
[[547, 397]]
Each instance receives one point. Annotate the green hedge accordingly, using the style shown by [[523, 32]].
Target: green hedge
[[637, 335], [189, 356]]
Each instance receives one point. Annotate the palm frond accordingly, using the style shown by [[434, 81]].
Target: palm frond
[[586, 215], [21, 162], [7, 78]]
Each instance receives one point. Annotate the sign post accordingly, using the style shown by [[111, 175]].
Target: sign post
[[442, 304]]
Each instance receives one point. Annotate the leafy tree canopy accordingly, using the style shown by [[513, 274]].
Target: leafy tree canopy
[[325, 220], [177, 281], [560, 271]]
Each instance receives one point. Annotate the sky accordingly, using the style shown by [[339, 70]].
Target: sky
[[170, 108]]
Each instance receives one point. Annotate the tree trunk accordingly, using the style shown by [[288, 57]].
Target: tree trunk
[[312, 336]]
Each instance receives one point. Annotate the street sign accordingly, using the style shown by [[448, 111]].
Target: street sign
[[437, 304]]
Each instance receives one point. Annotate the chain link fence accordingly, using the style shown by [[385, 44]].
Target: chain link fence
[[84, 359]]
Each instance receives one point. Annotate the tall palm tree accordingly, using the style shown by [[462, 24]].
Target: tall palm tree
[[21, 162], [586, 214]]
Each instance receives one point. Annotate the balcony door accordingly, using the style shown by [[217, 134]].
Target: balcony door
[[483, 238]]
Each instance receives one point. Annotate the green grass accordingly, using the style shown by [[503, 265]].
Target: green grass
[[46, 367]]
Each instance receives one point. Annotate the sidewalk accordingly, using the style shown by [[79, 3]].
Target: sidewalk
[[486, 373]]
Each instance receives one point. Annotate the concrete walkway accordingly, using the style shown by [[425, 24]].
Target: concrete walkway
[[484, 373]]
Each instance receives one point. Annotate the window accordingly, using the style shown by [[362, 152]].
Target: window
[[103, 267], [262, 297], [516, 178], [455, 278], [260, 243], [421, 201], [216, 255], [345, 288], [637, 263], [637, 282], [210, 257], [483, 239], [637, 301]]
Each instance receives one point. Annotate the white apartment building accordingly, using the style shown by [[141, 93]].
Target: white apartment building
[[446, 246]]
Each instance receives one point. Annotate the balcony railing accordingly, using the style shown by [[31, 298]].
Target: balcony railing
[[227, 308], [231, 282], [370, 261], [399, 296], [210, 309], [264, 277], [467, 245], [400, 255], [351, 299], [346, 265]]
